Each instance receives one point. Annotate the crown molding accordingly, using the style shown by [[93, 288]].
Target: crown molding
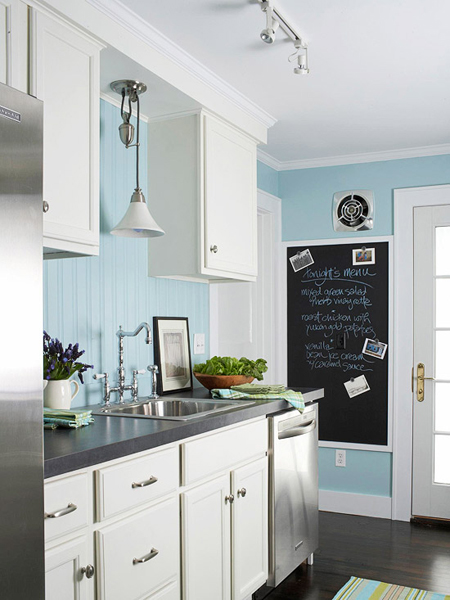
[[351, 159], [268, 160], [158, 41]]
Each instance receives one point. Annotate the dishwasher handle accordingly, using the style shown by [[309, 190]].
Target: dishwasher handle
[[299, 430]]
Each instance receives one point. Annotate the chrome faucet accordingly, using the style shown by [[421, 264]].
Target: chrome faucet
[[121, 387]]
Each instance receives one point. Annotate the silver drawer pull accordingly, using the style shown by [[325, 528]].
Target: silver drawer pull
[[214, 249], [153, 552], [242, 492], [60, 513], [144, 483]]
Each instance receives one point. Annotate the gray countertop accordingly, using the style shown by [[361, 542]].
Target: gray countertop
[[111, 437]]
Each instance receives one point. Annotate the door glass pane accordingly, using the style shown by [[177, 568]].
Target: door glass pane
[[441, 461], [442, 355], [442, 250], [442, 302], [442, 407]]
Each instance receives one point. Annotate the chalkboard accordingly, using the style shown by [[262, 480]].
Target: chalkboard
[[338, 331]]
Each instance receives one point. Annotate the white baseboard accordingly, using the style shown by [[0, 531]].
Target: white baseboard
[[355, 504]]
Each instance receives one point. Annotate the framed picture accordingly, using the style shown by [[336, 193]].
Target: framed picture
[[172, 354]]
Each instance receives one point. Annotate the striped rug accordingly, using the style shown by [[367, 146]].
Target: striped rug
[[366, 589]]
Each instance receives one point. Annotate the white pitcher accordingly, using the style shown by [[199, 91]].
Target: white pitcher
[[58, 394]]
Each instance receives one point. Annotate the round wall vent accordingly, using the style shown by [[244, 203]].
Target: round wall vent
[[353, 210]]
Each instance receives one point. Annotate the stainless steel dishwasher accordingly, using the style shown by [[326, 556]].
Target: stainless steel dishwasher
[[293, 490]]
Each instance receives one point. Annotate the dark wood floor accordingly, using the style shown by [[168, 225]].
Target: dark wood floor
[[396, 552]]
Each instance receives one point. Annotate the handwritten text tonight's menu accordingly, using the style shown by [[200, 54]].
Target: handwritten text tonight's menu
[[333, 306], [339, 303]]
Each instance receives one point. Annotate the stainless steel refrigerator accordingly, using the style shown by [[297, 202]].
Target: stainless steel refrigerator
[[21, 436]]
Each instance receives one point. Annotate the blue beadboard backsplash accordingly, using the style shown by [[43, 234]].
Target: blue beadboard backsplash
[[86, 299]]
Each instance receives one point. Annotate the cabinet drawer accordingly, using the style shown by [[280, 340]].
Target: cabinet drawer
[[154, 531], [219, 451], [135, 482], [65, 505]]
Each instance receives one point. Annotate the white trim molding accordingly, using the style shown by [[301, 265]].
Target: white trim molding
[[158, 41], [404, 202], [351, 159], [355, 504]]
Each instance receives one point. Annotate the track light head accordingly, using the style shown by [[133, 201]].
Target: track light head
[[302, 65], [268, 34]]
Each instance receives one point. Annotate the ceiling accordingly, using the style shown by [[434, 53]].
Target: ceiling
[[379, 79]]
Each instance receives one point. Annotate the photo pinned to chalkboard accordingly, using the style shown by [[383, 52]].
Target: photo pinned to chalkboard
[[363, 256], [374, 348], [356, 386], [301, 260]]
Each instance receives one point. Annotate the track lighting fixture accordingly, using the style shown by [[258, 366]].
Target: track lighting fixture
[[301, 56], [274, 20], [268, 34]]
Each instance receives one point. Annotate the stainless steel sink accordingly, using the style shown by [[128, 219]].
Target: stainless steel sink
[[173, 409]]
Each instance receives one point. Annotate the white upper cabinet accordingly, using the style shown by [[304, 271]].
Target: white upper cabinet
[[65, 74], [13, 44], [202, 192]]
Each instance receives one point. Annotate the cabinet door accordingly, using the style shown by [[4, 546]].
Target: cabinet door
[[13, 44], [140, 555], [206, 541], [249, 528], [230, 200], [63, 575], [64, 73]]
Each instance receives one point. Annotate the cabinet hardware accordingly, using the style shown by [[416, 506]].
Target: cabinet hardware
[[45, 206], [242, 492], [214, 249], [89, 571], [60, 513], [229, 499], [142, 484], [153, 552]]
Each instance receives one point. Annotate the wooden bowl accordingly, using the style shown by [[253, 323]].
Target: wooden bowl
[[211, 382]]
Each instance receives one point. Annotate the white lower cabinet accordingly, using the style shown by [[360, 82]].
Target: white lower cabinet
[[206, 541], [225, 530], [135, 527], [140, 554], [68, 572]]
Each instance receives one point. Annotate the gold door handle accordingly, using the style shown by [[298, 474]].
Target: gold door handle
[[420, 381]]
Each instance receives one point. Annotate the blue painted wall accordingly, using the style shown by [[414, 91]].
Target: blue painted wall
[[307, 194], [267, 179], [86, 299], [307, 215]]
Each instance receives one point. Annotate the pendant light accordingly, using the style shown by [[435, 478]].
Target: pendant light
[[137, 222]]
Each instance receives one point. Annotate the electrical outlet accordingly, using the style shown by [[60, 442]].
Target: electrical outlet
[[340, 458], [199, 343]]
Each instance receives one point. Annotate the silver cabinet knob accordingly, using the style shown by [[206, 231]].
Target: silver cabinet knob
[[229, 499], [89, 571], [242, 492], [45, 206], [214, 249]]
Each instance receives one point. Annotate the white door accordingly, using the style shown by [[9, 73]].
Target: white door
[[431, 397], [206, 541], [249, 528], [64, 577]]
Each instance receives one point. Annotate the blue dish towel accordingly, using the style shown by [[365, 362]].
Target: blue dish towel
[[295, 399], [54, 418]]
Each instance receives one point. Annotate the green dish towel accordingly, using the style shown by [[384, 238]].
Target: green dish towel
[[258, 388], [74, 419], [295, 399]]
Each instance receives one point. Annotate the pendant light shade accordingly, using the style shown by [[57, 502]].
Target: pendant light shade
[[137, 221]]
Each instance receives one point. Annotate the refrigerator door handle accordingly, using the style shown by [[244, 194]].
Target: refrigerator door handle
[[299, 430]]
